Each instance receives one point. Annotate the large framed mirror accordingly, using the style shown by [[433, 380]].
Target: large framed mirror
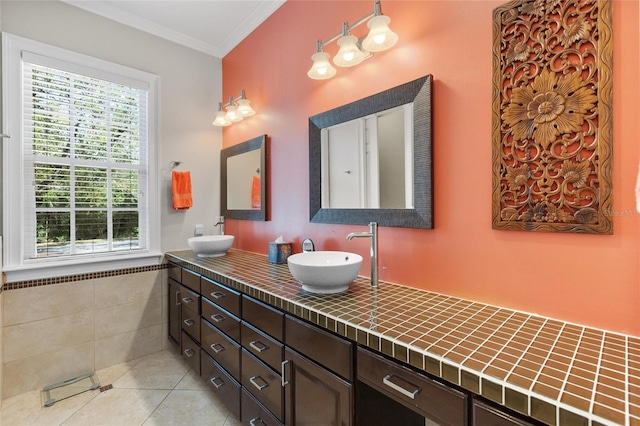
[[243, 180], [371, 160]]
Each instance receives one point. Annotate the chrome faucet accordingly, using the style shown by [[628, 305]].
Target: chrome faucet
[[373, 234], [220, 224]]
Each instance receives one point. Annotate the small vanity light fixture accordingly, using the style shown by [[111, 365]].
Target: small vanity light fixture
[[353, 51], [236, 110]]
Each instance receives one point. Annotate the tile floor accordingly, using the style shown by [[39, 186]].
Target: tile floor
[[158, 389]]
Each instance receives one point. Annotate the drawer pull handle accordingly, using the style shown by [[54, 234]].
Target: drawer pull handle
[[217, 317], [189, 352], [285, 382], [217, 295], [254, 382], [255, 346], [218, 384], [409, 394], [188, 322], [256, 421], [178, 298], [187, 299], [217, 345]]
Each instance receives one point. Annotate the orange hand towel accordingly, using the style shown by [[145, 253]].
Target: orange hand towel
[[255, 193], [181, 190]]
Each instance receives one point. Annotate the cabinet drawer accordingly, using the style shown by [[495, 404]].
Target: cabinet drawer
[[223, 386], [191, 280], [328, 350], [190, 299], [221, 295], [263, 383], [255, 414], [264, 317], [262, 346], [420, 393], [191, 352], [224, 350], [484, 414], [191, 323], [222, 319], [175, 272]]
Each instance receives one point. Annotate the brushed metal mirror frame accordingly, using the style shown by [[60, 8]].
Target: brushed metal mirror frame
[[260, 143], [421, 215]]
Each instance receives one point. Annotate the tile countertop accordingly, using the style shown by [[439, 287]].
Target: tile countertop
[[559, 373]]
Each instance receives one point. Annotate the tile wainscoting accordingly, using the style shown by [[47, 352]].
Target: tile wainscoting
[[54, 329]]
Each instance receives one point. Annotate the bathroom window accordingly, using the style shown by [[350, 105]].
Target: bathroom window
[[80, 167]]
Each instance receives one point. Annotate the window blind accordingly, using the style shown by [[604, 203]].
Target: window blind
[[85, 163]]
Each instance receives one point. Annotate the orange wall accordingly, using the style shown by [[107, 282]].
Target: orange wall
[[587, 279]]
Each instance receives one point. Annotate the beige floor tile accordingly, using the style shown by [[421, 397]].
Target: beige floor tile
[[163, 370], [108, 375], [29, 409], [122, 407], [192, 381], [189, 407]]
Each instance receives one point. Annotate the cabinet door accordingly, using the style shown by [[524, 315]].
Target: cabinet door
[[314, 395], [174, 311]]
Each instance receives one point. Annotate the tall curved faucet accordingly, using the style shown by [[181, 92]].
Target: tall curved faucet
[[373, 234]]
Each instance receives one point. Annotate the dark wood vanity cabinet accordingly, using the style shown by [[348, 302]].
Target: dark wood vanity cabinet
[[272, 368]]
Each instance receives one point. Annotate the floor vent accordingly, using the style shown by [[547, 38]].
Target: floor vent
[[106, 388]]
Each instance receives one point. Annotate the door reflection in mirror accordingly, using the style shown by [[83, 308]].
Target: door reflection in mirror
[[368, 162]]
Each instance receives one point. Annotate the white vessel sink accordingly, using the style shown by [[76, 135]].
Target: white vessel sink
[[210, 245], [325, 272]]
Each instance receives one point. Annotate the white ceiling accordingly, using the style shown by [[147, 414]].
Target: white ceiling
[[210, 26]]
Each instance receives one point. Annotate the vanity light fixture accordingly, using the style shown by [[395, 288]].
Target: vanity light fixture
[[353, 51], [236, 110]]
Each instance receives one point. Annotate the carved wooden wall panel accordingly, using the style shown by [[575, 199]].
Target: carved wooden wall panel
[[552, 125]]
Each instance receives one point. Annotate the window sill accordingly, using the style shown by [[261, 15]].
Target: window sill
[[61, 268]]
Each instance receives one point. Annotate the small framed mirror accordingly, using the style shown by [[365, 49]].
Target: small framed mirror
[[243, 180]]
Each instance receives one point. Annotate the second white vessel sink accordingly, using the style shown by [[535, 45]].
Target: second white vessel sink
[[210, 245], [325, 272]]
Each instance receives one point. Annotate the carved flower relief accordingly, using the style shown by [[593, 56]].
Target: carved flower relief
[[517, 176], [545, 212], [575, 173], [549, 107], [518, 51], [533, 7], [579, 29]]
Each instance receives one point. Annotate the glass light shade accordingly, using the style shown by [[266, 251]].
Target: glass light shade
[[349, 53], [244, 108], [321, 68], [221, 120], [380, 36], [232, 114]]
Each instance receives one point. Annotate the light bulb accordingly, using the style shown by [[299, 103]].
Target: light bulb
[[232, 114], [380, 36], [321, 68], [244, 109], [221, 120], [349, 53]]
